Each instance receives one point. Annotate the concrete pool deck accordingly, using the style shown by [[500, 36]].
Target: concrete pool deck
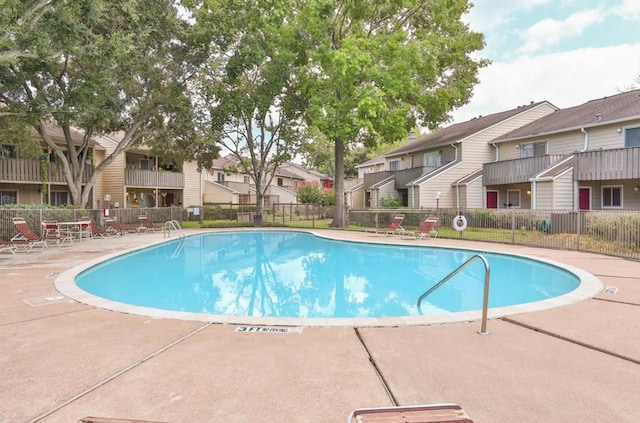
[[61, 360]]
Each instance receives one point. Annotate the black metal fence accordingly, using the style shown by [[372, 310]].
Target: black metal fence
[[614, 233], [605, 232]]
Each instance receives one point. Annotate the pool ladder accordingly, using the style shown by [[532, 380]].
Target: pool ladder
[[485, 300], [175, 225]]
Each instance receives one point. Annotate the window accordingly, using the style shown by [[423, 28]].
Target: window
[[612, 197], [280, 182], [8, 197], [220, 176], [394, 165], [533, 149], [59, 198], [8, 151], [632, 137], [246, 180], [432, 159], [513, 199], [144, 164]]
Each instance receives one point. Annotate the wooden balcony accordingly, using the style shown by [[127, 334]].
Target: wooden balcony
[[152, 178], [370, 179], [607, 165], [401, 177], [516, 171], [30, 171]]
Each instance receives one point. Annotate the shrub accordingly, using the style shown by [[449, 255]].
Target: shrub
[[309, 192]]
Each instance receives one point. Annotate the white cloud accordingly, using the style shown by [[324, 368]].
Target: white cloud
[[487, 15], [564, 79], [628, 9], [548, 32]]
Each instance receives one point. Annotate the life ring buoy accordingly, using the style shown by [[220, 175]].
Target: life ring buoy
[[460, 223]]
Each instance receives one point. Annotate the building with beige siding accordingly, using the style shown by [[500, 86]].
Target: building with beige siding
[[444, 168], [585, 157], [25, 180], [138, 179]]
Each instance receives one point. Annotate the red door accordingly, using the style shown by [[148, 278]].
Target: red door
[[584, 199], [492, 199]]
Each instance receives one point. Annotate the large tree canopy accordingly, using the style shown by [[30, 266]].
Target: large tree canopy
[[100, 66], [244, 89], [377, 69]]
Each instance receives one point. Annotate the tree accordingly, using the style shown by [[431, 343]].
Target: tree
[[244, 91], [18, 22], [101, 67], [377, 69]]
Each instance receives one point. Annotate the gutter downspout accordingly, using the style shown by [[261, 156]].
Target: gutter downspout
[[586, 139], [455, 159], [493, 144], [534, 197], [576, 184]]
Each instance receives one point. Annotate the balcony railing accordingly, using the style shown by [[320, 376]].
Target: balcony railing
[[518, 170], [401, 177], [28, 170], [370, 179], [607, 165], [152, 178]]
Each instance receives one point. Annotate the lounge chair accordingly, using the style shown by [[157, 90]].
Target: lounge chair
[[92, 230], [146, 225], [115, 228], [435, 413], [394, 228], [7, 246], [427, 229], [26, 234], [110, 420]]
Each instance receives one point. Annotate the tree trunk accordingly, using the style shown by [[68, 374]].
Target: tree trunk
[[257, 217], [339, 218]]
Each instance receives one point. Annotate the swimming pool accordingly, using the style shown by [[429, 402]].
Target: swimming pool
[[297, 276]]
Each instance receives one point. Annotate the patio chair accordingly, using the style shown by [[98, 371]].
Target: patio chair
[[146, 225], [26, 234], [394, 228], [427, 229], [52, 232], [435, 413], [115, 228]]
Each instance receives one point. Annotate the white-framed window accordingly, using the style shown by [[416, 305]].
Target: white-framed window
[[8, 197], [394, 165], [533, 149], [432, 159], [612, 197], [220, 176], [632, 137], [246, 179], [513, 199], [280, 182]]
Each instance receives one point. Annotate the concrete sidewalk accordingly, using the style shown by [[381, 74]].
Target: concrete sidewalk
[[61, 360]]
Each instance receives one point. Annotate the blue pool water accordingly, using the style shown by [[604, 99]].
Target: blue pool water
[[295, 274]]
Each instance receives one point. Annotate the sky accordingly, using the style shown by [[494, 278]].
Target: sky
[[566, 52]]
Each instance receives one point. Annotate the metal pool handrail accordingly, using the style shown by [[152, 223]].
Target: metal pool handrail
[[172, 224], [485, 300]]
